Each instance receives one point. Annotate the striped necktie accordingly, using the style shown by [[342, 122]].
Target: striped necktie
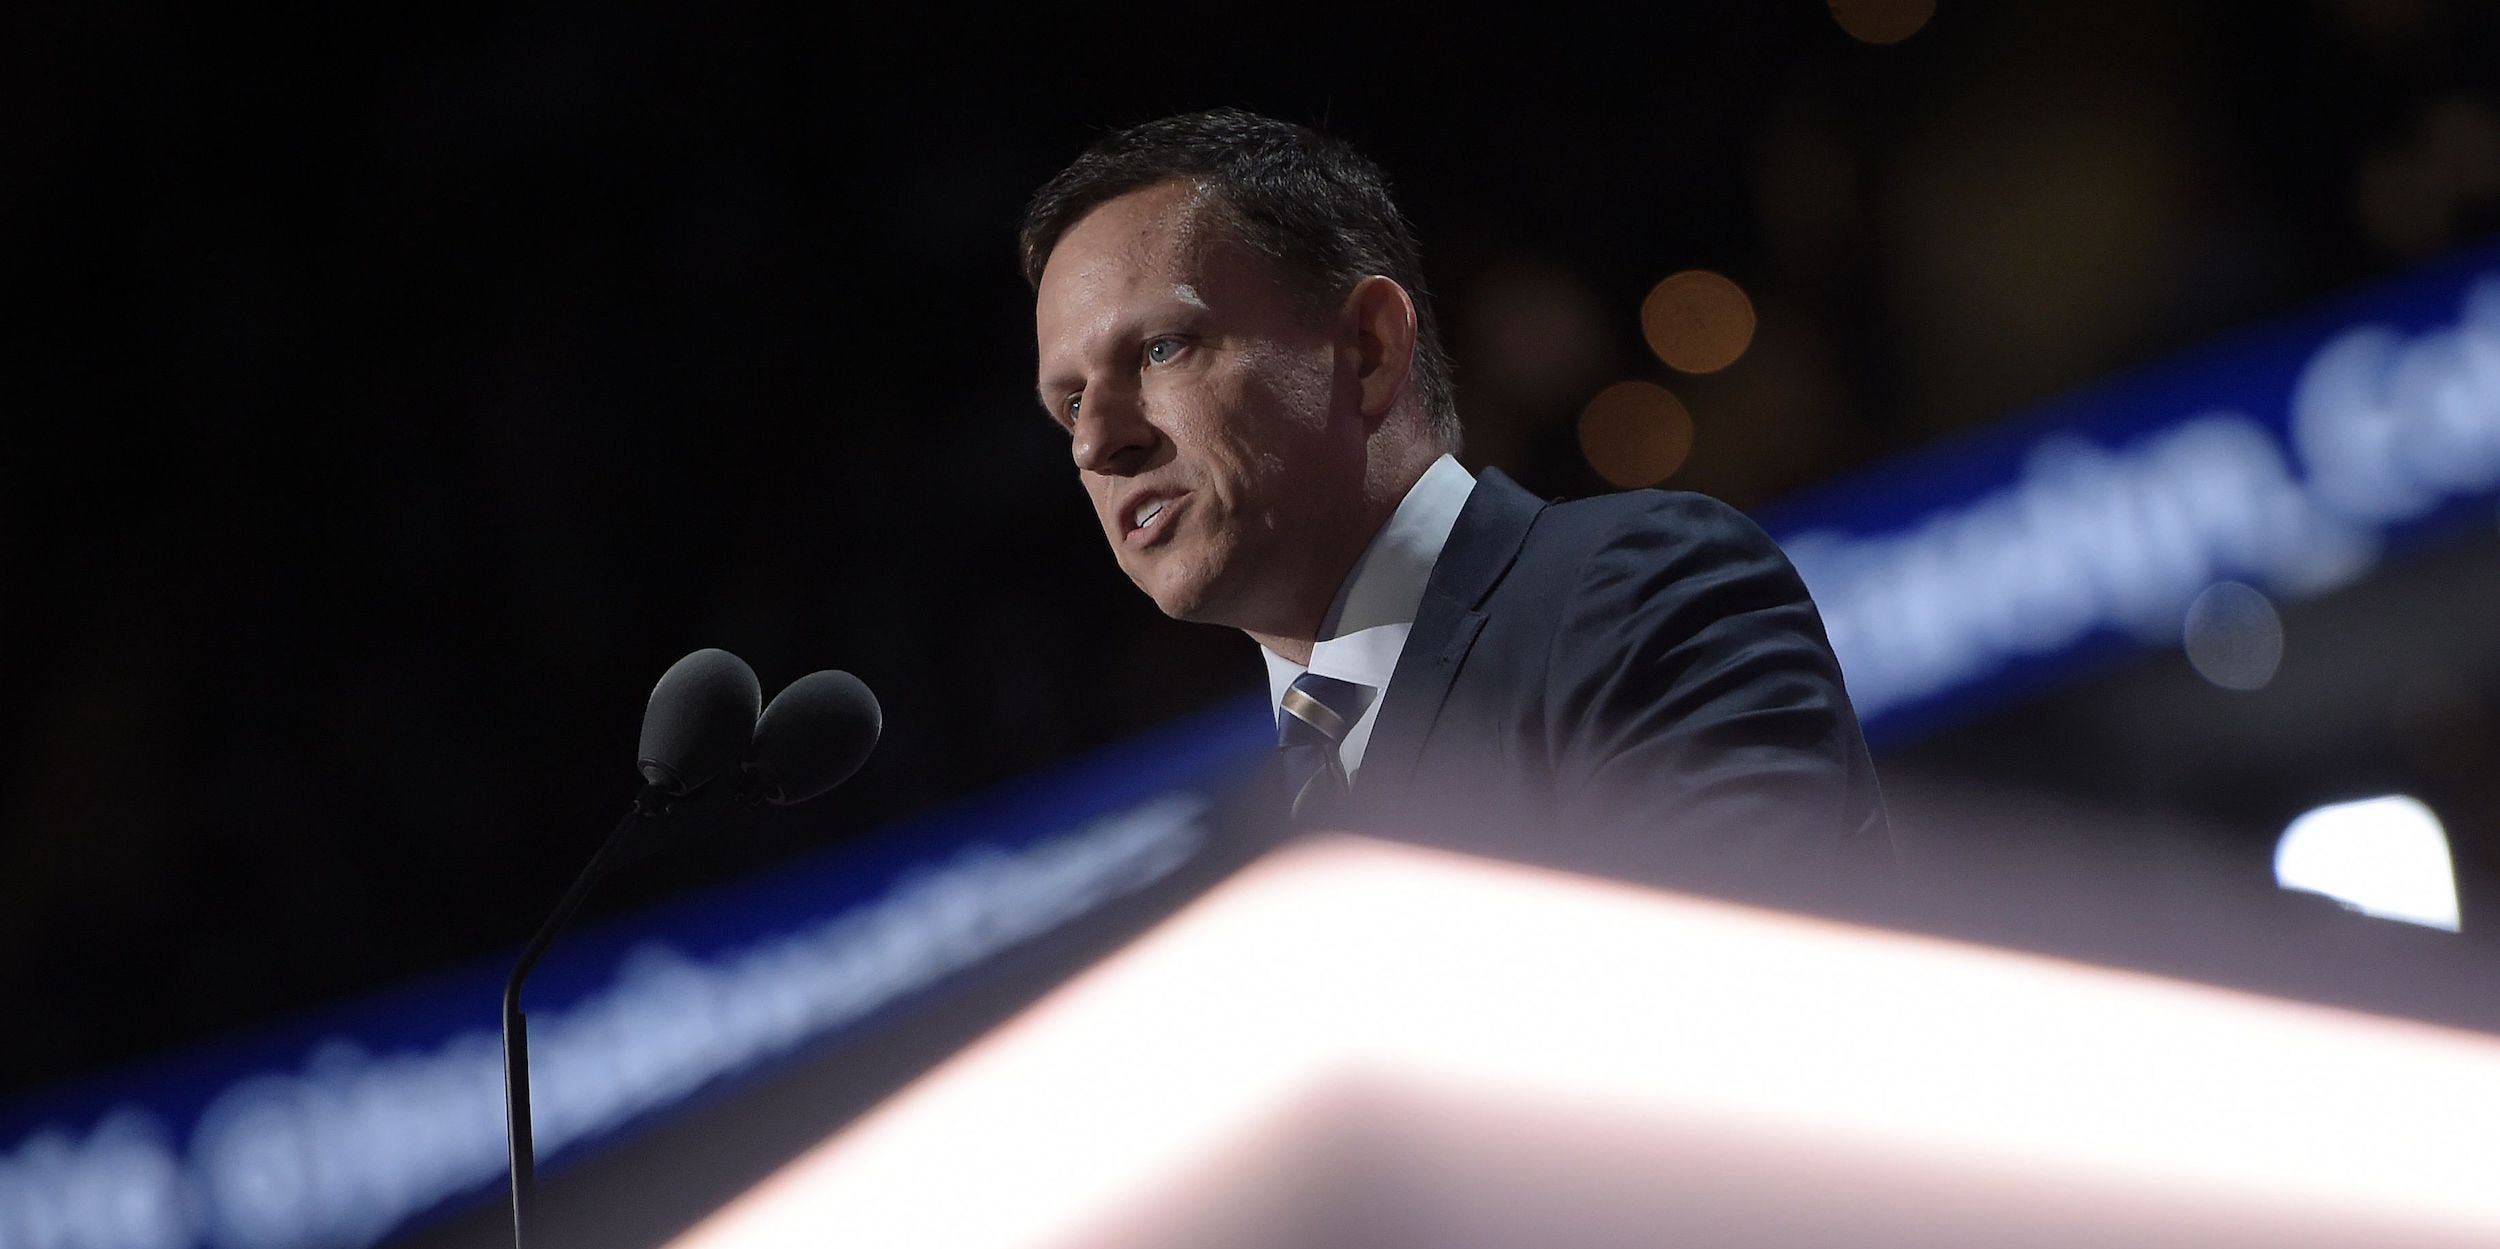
[[1316, 713]]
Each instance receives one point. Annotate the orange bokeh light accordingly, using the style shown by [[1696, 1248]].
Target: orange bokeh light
[[1697, 321], [1882, 21], [1635, 433]]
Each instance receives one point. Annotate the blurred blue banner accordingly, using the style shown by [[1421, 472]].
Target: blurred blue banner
[[338, 1128], [2292, 458]]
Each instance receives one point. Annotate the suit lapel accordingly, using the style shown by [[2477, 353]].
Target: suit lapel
[[1482, 546]]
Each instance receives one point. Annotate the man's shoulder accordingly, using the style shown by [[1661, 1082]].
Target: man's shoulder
[[1684, 510], [1657, 529], [1640, 561]]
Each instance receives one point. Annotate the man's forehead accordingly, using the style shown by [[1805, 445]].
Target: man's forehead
[[1155, 233]]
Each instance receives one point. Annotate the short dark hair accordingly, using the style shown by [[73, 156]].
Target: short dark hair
[[1307, 202]]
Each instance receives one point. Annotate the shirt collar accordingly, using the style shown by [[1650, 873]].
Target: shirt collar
[[1375, 609]]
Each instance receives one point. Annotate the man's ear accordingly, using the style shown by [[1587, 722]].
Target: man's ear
[[1381, 322]]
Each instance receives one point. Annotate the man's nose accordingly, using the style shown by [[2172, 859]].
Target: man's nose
[[1113, 435]]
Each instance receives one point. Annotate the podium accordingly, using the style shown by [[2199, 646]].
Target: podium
[[1355, 1042]]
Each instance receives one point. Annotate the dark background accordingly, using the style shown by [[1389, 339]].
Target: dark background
[[390, 401]]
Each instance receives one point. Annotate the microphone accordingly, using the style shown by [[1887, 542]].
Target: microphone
[[814, 736], [706, 756], [816, 733], [699, 721]]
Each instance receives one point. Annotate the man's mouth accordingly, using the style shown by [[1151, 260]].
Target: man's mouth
[[1151, 520]]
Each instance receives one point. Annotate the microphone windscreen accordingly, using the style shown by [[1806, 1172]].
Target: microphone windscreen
[[816, 733], [699, 720]]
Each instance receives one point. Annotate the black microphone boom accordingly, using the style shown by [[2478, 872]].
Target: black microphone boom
[[701, 718]]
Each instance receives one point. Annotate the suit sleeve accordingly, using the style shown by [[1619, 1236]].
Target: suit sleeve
[[1700, 715]]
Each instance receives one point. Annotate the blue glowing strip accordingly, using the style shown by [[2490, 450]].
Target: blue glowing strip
[[2293, 458], [340, 1127]]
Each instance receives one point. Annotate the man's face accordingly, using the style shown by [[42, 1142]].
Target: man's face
[[1210, 423]]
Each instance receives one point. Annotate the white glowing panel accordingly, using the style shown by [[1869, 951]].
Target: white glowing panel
[[2038, 1102], [2382, 856]]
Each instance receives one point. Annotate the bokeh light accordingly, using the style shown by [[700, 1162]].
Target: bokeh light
[[1882, 21], [2234, 637], [1635, 434], [2385, 856], [1697, 321]]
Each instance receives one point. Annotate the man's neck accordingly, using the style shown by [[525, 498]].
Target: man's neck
[[1297, 649], [1387, 495]]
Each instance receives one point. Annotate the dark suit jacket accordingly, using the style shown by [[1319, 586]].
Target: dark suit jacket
[[1634, 684]]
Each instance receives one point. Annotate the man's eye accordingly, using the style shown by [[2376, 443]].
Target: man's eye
[[1162, 349], [1074, 401]]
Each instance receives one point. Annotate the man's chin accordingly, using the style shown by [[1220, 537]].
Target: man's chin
[[1181, 607], [1183, 599]]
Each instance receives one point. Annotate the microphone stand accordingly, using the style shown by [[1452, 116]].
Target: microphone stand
[[635, 836]]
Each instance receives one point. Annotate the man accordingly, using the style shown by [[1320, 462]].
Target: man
[[1235, 336]]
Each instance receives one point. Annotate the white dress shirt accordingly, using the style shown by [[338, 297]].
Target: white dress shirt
[[1366, 627]]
